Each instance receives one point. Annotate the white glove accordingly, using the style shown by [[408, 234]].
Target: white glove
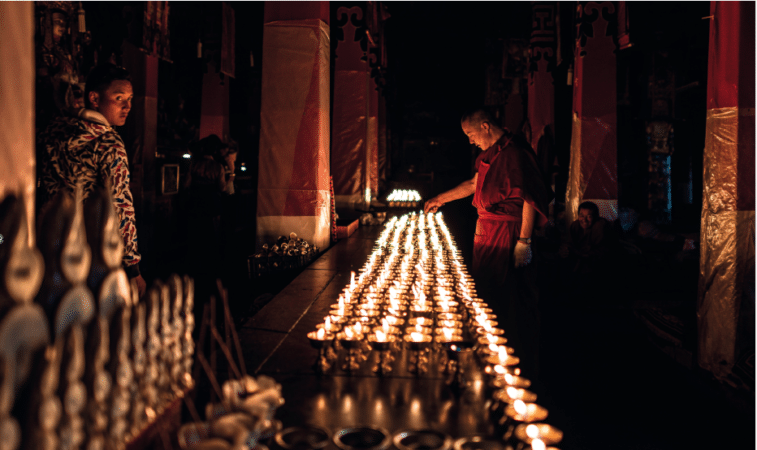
[[522, 254]]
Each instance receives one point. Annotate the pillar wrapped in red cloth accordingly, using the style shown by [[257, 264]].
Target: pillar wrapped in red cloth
[[725, 309], [293, 180], [593, 147]]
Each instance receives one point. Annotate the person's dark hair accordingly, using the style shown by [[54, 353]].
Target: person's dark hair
[[476, 116], [101, 77], [591, 206], [210, 145]]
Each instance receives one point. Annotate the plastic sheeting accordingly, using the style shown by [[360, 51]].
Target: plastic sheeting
[[593, 166], [726, 266], [725, 308], [17, 157], [293, 181]]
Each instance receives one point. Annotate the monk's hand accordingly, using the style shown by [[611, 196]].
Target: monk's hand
[[523, 254], [431, 206]]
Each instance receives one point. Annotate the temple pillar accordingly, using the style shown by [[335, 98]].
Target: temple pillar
[[541, 86], [214, 118], [293, 171], [725, 307], [593, 148], [351, 115], [384, 163], [141, 139], [17, 170], [373, 137]]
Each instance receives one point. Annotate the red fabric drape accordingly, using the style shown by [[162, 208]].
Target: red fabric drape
[[351, 115], [593, 165], [725, 308], [293, 180]]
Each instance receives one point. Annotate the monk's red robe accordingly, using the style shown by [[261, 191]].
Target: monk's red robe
[[508, 175]]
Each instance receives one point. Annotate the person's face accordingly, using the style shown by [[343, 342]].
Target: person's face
[[114, 103], [477, 135], [59, 25], [586, 218]]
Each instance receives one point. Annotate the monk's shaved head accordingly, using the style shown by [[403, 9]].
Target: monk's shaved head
[[476, 117]]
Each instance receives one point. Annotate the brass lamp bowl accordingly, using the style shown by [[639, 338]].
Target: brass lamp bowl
[[422, 440], [510, 394], [381, 345], [362, 438], [547, 433], [494, 330], [478, 443], [425, 341], [302, 438], [319, 342], [534, 413]]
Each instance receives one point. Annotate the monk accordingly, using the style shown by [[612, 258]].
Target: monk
[[511, 199]]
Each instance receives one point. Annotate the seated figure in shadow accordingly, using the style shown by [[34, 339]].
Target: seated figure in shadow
[[591, 244]]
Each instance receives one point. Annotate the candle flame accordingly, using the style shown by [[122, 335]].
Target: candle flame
[[513, 393], [509, 378], [352, 281], [320, 334], [532, 431], [503, 353], [380, 336], [538, 444], [491, 338], [447, 333], [348, 333], [520, 407], [499, 369], [327, 323], [416, 337]]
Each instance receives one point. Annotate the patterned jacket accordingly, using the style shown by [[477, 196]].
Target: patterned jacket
[[88, 150]]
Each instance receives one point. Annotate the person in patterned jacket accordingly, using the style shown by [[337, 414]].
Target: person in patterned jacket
[[85, 148]]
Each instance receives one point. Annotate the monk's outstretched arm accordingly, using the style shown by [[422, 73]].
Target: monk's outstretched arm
[[462, 190]]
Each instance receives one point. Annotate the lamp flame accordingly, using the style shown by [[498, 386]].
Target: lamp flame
[[520, 407]]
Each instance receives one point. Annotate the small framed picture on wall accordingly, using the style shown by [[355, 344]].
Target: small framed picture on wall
[[169, 179]]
